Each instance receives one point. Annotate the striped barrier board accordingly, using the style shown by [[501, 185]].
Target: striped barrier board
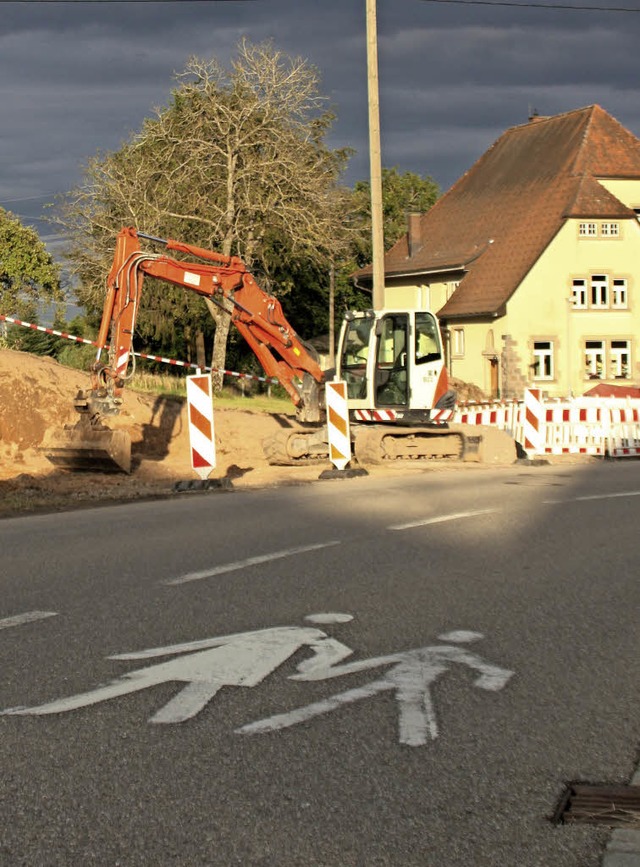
[[533, 418], [338, 424], [201, 428]]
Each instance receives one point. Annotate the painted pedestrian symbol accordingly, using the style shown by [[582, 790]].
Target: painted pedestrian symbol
[[247, 658], [411, 676], [241, 659]]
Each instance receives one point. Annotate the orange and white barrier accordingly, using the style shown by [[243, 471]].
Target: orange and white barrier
[[338, 424], [201, 428], [533, 421], [580, 426]]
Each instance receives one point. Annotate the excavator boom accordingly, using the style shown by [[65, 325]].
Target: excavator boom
[[225, 281]]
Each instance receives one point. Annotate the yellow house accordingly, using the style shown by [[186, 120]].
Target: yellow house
[[532, 259]]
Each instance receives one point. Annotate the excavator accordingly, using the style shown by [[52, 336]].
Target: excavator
[[391, 360]]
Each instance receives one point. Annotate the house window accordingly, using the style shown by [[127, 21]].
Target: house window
[[610, 230], [543, 359], [594, 359], [619, 293], [599, 290], [457, 342], [620, 355], [588, 230], [580, 293], [451, 288]]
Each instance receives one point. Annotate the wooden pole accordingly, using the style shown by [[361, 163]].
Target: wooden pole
[[375, 165]]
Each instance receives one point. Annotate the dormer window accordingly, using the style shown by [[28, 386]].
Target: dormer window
[[605, 229]]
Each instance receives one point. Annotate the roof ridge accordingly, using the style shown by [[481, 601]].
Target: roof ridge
[[579, 151], [576, 190]]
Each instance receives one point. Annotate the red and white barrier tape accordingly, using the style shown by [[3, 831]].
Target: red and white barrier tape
[[172, 361]]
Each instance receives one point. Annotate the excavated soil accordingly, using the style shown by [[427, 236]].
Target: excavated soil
[[36, 396]]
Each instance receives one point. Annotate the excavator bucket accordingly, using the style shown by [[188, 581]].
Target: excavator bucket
[[87, 448]]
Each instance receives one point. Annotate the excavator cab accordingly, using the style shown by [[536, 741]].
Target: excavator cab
[[393, 360]]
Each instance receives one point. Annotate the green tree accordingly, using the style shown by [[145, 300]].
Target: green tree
[[28, 274], [401, 194], [236, 162]]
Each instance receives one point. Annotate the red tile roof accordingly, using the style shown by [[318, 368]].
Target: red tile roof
[[499, 217]]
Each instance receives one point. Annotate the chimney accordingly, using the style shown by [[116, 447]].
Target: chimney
[[414, 232]]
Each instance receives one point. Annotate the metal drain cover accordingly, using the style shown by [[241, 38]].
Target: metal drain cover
[[600, 803]]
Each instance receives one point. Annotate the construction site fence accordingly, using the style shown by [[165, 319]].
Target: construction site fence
[[599, 426]]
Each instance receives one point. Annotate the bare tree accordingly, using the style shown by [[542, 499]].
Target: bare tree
[[236, 162]]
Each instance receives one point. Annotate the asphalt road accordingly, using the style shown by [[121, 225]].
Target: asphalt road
[[485, 655]]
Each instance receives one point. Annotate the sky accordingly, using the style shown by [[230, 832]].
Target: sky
[[78, 78]]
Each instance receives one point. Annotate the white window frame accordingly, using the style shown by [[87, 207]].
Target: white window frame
[[619, 293], [610, 230], [620, 356], [588, 230], [595, 359], [579, 293], [543, 361], [599, 291], [457, 342]]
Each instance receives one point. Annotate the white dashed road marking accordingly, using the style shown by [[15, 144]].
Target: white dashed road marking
[[27, 617], [250, 561], [441, 519]]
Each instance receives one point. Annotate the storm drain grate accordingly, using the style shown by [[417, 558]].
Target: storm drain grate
[[602, 804]]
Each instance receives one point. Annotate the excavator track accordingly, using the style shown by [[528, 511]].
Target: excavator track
[[297, 448], [379, 444]]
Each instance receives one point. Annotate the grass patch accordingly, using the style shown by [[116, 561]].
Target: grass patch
[[231, 396]]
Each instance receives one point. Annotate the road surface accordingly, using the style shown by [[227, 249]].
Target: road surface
[[399, 671]]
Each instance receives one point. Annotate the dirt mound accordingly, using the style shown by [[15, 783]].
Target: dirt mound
[[36, 395], [467, 392]]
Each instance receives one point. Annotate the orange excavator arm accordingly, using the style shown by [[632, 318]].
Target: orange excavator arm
[[257, 315]]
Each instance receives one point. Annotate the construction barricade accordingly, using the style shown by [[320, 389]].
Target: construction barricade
[[607, 426]]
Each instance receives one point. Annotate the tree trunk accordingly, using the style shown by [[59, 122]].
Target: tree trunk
[[201, 357], [222, 319]]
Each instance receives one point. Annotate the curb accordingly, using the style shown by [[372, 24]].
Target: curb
[[623, 848]]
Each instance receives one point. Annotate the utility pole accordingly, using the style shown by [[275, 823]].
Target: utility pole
[[375, 165]]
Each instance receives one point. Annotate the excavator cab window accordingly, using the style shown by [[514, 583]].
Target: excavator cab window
[[427, 340], [353, 364], [392, 384]]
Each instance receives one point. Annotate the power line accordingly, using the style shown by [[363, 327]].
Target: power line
[[87, 2], [573, 6], [26, 198], [514, 5]]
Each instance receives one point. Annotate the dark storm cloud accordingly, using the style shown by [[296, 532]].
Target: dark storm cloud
[[78, 78]]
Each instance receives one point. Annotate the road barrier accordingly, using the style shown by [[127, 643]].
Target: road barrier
[[201, 427], [338, 424], [599, 426]]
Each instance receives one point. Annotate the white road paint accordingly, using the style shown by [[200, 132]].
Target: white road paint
[[240, 659], [247, 658], [250, 561], [441, 519], [460, 636], [411, 676], [27, 617], [588, 497], [321, 619]]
